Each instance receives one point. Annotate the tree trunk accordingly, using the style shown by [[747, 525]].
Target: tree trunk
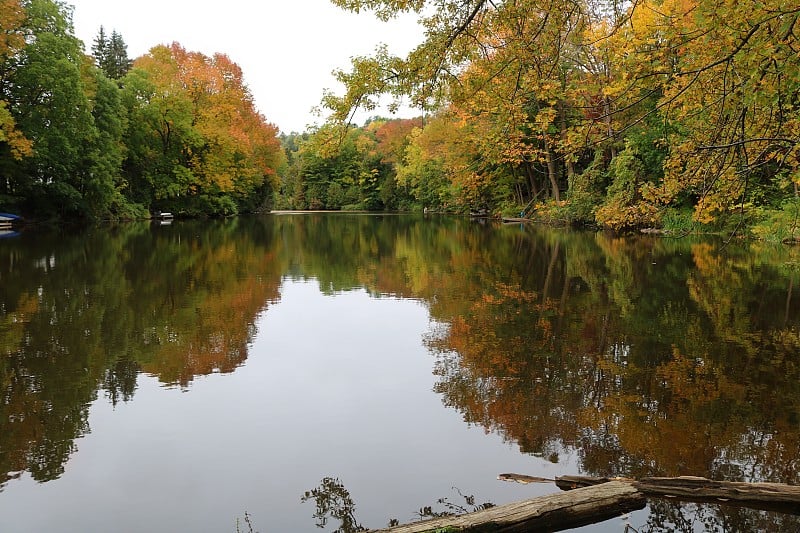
[[552, 170], [562, 112], [531, 179], [609, 125]]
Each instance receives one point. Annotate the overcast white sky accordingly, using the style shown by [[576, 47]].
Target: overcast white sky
[[286, 48]]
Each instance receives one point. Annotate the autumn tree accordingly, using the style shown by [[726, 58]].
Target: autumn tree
[[502, 67], [730, 80], [13, 143], [696, 97], [440, 166], [392, 137], [197, 143]]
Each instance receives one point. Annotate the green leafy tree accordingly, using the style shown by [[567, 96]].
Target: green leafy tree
[[105, 186], [50, 107]]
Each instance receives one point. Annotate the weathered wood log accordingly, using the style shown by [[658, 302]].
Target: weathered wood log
[[770, 496], [767, 496], [555, 512], [576, 482]]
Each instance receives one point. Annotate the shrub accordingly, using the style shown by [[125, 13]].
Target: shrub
[[782, 225]]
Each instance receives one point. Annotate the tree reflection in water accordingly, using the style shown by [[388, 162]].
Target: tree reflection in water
[[448, 508], [85, 312], [333, 501], [688, 518], [638, 356]]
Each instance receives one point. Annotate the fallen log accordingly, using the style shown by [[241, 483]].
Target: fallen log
[[554, 512], [765, 496]]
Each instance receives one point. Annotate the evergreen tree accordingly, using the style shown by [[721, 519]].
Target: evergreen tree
[[111, 54], [99, 47], [118, 62]]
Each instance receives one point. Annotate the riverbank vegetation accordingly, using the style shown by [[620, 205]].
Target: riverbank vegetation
[[678, 115], [102, 136], [652, 113]]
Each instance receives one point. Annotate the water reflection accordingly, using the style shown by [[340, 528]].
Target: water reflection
[[650, 357], [87, 312], [335, 504], [672, 516], [643, 356]]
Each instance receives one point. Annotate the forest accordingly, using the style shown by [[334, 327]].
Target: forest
[[678, 115], [100, 136]]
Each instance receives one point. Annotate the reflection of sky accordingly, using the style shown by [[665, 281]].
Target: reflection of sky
[[333, 386]]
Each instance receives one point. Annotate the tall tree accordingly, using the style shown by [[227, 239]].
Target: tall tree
[[48, 103], [111, 54], [100, 47], [105, 152], [13, 143]]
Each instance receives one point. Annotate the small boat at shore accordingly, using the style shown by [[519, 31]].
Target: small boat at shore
[[9, 218], [162, 218], [7, 221]]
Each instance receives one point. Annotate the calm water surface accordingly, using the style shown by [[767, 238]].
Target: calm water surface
[[174, 378]]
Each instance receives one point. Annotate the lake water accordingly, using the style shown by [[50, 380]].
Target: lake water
[[175, 377]]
